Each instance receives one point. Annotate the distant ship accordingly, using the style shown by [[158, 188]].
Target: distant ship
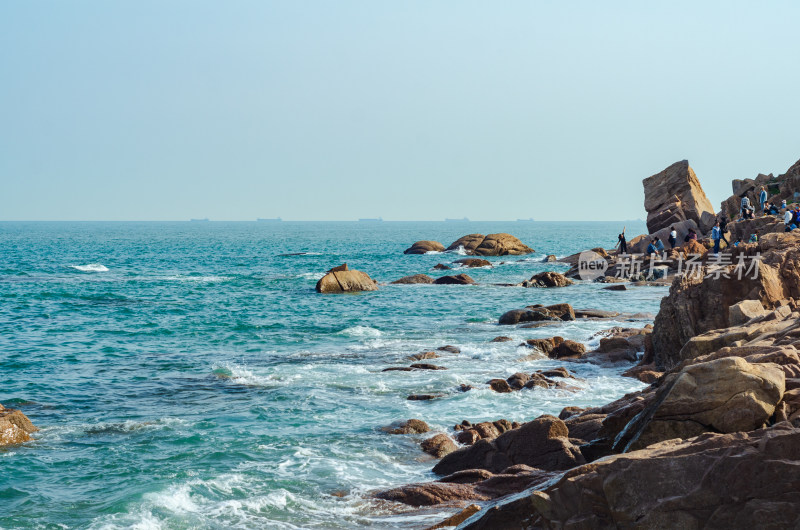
[[462, 220], [528, 220], [275, 220], [204, 220], [370, 220]]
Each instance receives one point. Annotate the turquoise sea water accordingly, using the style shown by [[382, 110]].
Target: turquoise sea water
[[186, 375]]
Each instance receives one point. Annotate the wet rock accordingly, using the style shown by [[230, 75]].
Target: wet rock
[[473, 262], [457, 519], [458, 279], [518, 380], [407, 427], [345, 280], [469, 476], [397, 369], [616, 287], [548, 279], [415, 279], [15, 427], [441, 267], [500, 385], [741, 480], [470, 242], [426, 366], [502, 245], [550, 258], [537, 313], [431, 494], [544, 345], [557, 372], [438, 445], [424, 355], [423, 397], [567, 412], [468, 437], [568, 349], [542, 443], [595, 313], [421, 247], [501, 338], [449, 349]]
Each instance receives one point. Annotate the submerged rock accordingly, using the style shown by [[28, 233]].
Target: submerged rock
[[473, 262], [416, 278], [458, 279]]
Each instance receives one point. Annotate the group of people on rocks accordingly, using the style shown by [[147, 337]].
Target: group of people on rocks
[[791, 220]]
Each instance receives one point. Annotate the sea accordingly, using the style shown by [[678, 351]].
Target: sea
[[187, 375]]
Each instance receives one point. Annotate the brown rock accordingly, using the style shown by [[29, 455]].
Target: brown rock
[[502, 245], [468, 437], [473, 262], [423, 397], [502, 338], [741, 480], [426, 366], [431, 493], [500, 385], [421, 247], [548, 279], [424, 355], [567, 412], [15, 427], [407, 427], [470, 242], [542, 443], [415, 279], [458, 279], [550, 258], [438, 445], [568, 349], [725, 395], [346, 281], [457, 519], [449, 349], [675, 195], [441, 267], [518, 380]]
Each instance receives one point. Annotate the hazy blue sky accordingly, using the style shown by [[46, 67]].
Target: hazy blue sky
[[162, 110]]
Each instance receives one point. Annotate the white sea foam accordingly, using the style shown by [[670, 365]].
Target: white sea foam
[[90, 267], [244, 376], [360, 331], [311, 275], [212, 278]]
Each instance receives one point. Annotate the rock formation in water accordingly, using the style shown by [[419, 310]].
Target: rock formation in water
[[675, 195], [342, 279]]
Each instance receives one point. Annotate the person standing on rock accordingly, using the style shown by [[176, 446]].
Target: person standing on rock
[[788, 223], [762, 198], [715, 235], [746, 208], [723, 228], [673, 236], [622, 243]]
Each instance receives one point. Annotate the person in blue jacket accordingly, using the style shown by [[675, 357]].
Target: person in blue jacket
[[762, 198], [716, 235]]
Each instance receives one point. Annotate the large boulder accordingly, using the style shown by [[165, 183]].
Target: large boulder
[[421, 247], [542, 443], [502, 245], [741, 480], [469, 242], [15, 427], [675, 195], [341, 279], [724, 395], [491, 245], [538, 313]]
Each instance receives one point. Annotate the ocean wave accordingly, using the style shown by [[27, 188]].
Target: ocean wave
[[360, 331], [243, 376], [211, 278], [311, 275], [90, 267]]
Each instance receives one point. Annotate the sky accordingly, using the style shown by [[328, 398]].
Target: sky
[[412, 110]]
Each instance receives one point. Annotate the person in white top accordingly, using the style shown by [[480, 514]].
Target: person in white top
[[673, 236]]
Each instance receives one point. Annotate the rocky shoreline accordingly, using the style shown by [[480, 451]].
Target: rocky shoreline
[[712, 441]]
